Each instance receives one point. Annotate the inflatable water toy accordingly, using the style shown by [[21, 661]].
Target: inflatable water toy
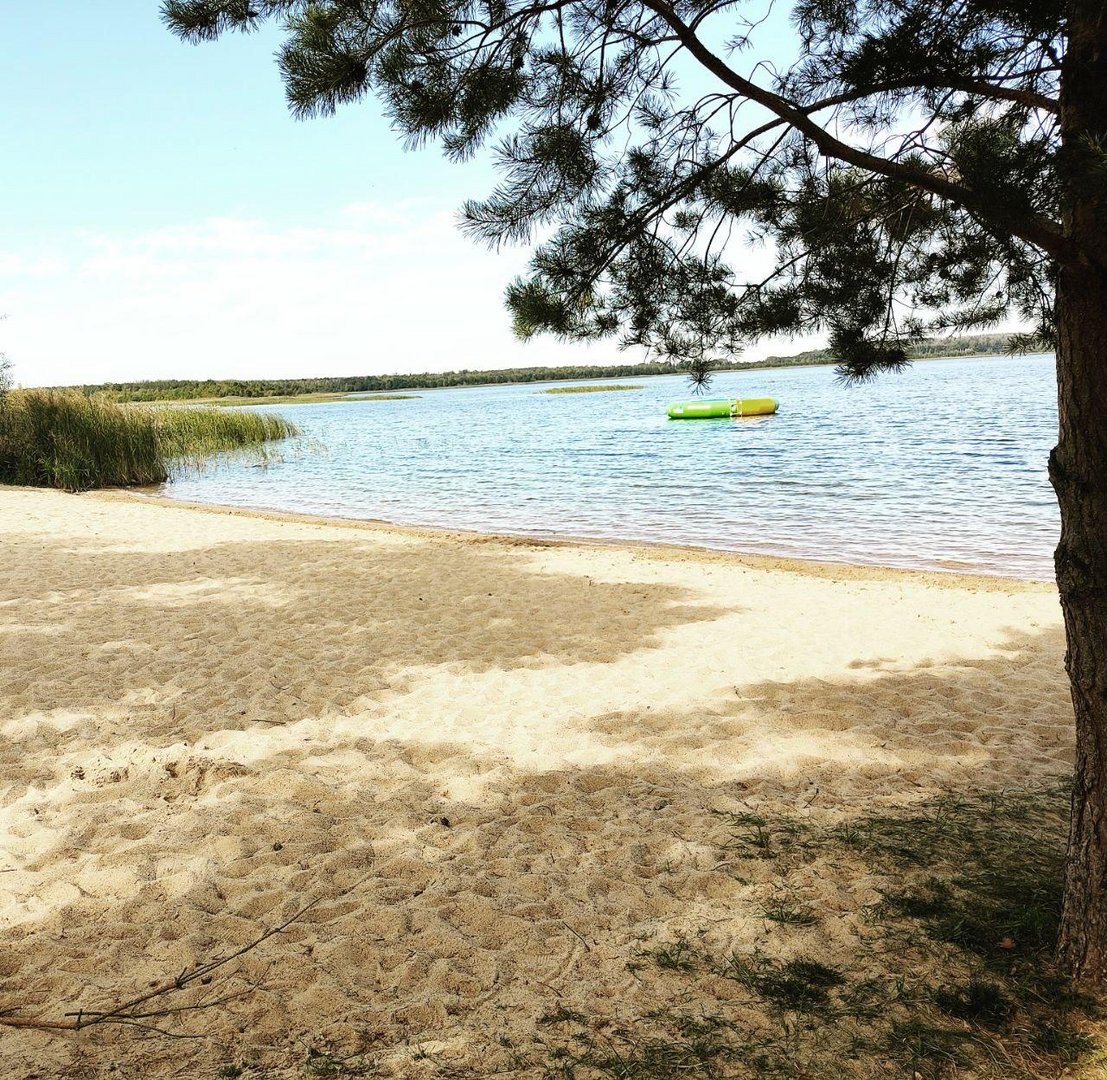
[[707, 410]]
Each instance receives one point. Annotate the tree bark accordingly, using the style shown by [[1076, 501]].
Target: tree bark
[[1078, 471]]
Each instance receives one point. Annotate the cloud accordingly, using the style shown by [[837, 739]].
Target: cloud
[[373, 289], [370, 289]]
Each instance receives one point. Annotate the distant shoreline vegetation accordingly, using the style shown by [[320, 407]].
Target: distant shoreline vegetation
[[291, 399], [932, 349], [265, 391], [62, 439], [221, 390], [589, 389]]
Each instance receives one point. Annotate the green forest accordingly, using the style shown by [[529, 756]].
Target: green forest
[[213, 389], [192, 389]]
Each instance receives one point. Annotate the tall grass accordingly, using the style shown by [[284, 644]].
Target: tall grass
[[60, 438]]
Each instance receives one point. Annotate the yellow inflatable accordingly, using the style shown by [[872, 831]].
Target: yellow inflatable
[[719, 407]]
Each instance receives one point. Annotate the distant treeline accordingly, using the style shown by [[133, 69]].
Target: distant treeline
[[969, 345], [192, 389], [189, 389]]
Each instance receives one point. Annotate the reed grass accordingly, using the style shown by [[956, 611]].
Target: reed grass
[[60, 438]]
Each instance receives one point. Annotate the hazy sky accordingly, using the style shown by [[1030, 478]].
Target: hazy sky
[[162, 215]]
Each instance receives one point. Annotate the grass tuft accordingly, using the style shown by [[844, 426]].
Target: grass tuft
[[674, 955], [754, 837], [780, 910], [800, 985], [979, 1001], [927, 1049], [562, 1015], [663, 1054], [62, 439]]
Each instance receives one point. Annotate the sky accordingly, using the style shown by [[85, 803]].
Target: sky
[[163, 216]]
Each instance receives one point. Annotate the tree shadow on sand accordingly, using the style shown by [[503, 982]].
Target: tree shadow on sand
[[132, 645], [1008, 715], [855, 877]]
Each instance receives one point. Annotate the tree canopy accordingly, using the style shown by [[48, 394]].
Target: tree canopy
[[899, 173]]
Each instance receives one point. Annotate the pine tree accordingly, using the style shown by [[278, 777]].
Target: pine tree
[[919, 166]]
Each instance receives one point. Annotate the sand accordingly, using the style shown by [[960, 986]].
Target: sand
[[498, 766]]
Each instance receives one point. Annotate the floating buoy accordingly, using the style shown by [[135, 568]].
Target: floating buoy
[[721, 407]]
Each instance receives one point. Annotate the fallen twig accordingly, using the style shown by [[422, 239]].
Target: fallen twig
[[587, 947], [126, 1012]]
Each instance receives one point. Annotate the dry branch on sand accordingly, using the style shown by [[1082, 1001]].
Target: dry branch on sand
[[131, 1013]]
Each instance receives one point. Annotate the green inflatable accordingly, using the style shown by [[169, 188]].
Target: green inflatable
[[721, 407]]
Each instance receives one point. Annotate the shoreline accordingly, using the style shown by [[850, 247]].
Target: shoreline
[[812, 567]]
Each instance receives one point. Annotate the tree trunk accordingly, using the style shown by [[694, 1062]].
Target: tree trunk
[[1078, 471]]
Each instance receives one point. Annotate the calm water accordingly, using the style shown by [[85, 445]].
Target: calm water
[[942, 467]]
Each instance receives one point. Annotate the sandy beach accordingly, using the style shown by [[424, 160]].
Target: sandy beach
[[502, 772]]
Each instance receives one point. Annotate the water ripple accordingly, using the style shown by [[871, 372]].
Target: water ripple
[[944, 465]]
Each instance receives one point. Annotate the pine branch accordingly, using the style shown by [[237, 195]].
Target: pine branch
[[1038, 230]]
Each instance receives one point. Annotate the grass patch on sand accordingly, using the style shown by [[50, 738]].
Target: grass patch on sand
[[62, 439], [590, 389], [951, 976]]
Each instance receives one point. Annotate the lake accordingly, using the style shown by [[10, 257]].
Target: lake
[[942, 467]]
